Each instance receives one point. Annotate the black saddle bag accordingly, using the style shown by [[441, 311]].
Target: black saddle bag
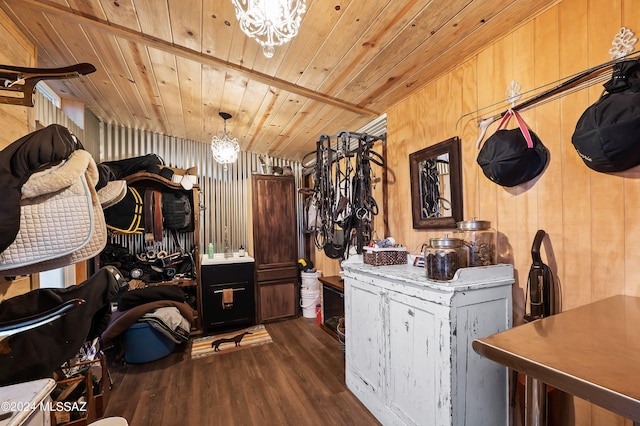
[[177, 211]]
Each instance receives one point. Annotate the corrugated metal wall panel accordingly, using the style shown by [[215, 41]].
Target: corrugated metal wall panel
[[47, 113], [224, 194]]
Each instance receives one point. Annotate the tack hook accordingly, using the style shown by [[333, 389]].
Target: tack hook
[[484, 124]]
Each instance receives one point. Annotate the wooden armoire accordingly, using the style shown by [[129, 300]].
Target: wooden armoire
[[275, 247]]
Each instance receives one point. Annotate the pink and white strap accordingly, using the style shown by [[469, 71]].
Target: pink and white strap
[[523, 126]]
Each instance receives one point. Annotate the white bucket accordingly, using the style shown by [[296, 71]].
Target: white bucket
[[308, 301], [310, 281]]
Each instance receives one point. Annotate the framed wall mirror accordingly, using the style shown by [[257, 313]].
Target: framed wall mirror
[[436, 185]]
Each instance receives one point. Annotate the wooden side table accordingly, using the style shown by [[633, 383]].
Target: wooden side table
[[332, 291]]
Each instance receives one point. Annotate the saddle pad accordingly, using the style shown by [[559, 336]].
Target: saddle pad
[[112, 193], [125, 217], [93, 244], [54, 226]]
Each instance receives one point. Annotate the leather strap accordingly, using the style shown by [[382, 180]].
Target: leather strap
[[174, 233], [157, 216], [152, 207], [147, 207]]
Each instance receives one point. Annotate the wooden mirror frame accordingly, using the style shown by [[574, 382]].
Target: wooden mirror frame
[[452, 147]]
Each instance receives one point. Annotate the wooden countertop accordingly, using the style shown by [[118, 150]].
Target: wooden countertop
[[334, 281], [592, 352]]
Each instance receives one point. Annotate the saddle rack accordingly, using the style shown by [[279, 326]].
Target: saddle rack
[[9, 328], [18, 84]]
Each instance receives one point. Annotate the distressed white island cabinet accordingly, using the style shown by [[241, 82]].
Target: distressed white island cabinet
[[408, 343]]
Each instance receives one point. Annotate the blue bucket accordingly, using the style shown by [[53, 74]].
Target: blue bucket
[[143, 343]]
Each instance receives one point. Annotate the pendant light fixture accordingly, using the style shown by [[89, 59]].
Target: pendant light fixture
[[270, 22], [224, 149]]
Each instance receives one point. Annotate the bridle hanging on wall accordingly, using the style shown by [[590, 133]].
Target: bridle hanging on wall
[[342, 192]]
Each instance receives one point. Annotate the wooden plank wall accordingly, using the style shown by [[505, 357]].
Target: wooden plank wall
[[593, 244], [19, 51], [17, 121], [590, 218]]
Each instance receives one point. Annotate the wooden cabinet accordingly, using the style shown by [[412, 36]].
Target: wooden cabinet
[[237, 278], [408, 343], [275, 247]]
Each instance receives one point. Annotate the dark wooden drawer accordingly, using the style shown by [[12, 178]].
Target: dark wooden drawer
[[289, 272]]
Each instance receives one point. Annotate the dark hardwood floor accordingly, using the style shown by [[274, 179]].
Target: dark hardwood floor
[[298, 379]]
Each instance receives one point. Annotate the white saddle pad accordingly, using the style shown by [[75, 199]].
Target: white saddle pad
[[61, 220]]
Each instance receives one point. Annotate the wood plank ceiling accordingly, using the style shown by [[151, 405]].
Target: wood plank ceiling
[[170, 66]]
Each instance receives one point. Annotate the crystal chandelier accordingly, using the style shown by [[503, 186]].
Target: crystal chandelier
[[224, 149], [270, 22]]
